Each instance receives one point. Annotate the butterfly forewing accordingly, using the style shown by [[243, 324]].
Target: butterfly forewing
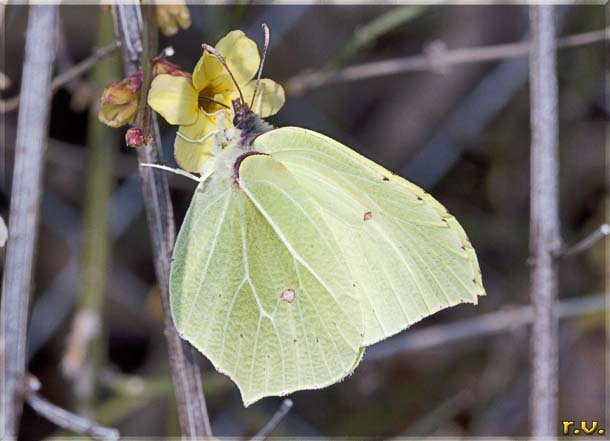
[[408, 255]]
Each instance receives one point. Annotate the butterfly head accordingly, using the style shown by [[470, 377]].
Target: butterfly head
[[248, 122]]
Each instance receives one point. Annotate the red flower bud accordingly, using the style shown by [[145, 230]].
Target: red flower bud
[[135, 137], [163, 66]]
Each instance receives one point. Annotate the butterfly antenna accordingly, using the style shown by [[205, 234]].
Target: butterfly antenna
[[214, 52], [262, 63]]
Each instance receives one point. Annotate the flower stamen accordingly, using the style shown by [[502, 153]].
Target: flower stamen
[[207, 98]]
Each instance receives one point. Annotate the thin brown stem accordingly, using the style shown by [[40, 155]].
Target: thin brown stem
[[277, 417], [11, 104], [545, 238], [137, 51], [437, 61], [31, 143], [64, 61], [589, 241], [63, 418], [485, 325]]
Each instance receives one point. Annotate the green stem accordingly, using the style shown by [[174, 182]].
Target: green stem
[[85, 350]]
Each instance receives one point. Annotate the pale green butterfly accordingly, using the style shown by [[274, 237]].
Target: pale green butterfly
[[296, 253]]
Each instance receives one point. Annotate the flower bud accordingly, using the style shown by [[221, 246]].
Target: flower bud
[[135, 137], [172, 17], [163, 66], [121, 92], [117, 115], [119, 101]]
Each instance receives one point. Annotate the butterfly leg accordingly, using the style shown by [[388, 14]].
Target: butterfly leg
[[200, 140]]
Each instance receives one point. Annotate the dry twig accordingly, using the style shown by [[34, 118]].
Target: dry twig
[[438, 59], [67, 76], [159, 212], [589, 241], [507, 319], [545, 238], [26, 191], [273, 421], [61, 417]]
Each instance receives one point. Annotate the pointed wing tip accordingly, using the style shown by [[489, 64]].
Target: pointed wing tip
[[247, 403], [248, 400]]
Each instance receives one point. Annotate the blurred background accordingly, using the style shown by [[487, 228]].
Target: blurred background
[[460, 131]]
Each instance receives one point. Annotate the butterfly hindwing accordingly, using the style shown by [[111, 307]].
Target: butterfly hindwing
[[260, 289]]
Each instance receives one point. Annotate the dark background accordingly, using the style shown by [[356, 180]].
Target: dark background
[[463, 134]]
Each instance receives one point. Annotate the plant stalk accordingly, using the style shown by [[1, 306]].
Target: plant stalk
[[84, 355], [132, 24], [30, 146], [545, 238]]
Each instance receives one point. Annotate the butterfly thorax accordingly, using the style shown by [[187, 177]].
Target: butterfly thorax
[[234, 143], [249, 124]]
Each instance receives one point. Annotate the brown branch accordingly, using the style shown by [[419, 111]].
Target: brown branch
[[442, 413], [273, 421], [436, 59], [11, 104], [192, 409], [28, 391], [589, 241], [64, 61], [31, 143], [545, 238], [507, 319]]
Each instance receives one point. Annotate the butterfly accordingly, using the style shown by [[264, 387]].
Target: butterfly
[[296, 253]]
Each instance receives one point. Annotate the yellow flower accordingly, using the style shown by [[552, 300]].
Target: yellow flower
[[189, 102], [119, 100], [172, 17]]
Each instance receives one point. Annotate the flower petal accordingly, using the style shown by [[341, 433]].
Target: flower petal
[[171, 17], [270, 97], [207, 69], [174, 98], [190, 156], [242, 57], [241, 54], [117, 115]]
